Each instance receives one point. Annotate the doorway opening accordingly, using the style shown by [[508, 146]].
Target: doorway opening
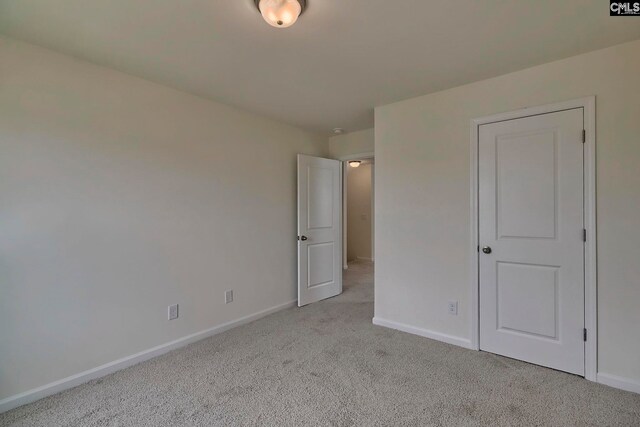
[[358, 216], [335, 227]]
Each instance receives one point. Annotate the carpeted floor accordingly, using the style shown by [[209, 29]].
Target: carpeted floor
[[326, 364]]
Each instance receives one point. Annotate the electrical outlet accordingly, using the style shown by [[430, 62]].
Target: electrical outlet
[[228, 297], [173, 312], [452, 307]]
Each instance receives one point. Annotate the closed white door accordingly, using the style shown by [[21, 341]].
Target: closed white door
[[319, 229], [531, 239]]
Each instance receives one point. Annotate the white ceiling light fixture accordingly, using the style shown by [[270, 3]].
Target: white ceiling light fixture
[[354, 163], [281, 13]]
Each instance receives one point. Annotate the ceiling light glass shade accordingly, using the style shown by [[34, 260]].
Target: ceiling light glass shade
[[280, 13], [354, 163]]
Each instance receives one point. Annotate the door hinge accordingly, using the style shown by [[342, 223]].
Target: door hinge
[[585, 334], [478, 248], [584, 136], [584, 234]]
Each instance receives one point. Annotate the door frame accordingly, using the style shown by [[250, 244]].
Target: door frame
[[590, 267], [370, 155]]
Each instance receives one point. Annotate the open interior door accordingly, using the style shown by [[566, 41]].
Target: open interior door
[[319, 229]]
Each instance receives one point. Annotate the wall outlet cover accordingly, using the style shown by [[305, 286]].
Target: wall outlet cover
[[452, 307], [173, 312], [228, 297]]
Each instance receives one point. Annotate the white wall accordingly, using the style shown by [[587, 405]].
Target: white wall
[[119, 197], [423, 192], [359, 212], [351, 143]]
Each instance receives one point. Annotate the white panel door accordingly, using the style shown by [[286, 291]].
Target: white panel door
[[319, 229], [531, 224]]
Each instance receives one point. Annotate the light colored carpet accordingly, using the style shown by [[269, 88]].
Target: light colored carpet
[[326, 364]]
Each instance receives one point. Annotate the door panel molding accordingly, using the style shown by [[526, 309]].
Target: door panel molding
[[590, 274]]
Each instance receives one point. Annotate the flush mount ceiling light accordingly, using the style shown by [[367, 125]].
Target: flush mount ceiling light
[[281, 13], [354, 163]]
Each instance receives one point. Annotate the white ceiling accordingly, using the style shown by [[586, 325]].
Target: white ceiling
[[341, 59]]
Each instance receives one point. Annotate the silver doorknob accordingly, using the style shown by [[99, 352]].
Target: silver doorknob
[[303, 238], [486, 249]]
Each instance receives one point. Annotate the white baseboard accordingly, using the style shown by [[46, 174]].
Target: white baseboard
[[449, 339], [100, 371], [618, 382]]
